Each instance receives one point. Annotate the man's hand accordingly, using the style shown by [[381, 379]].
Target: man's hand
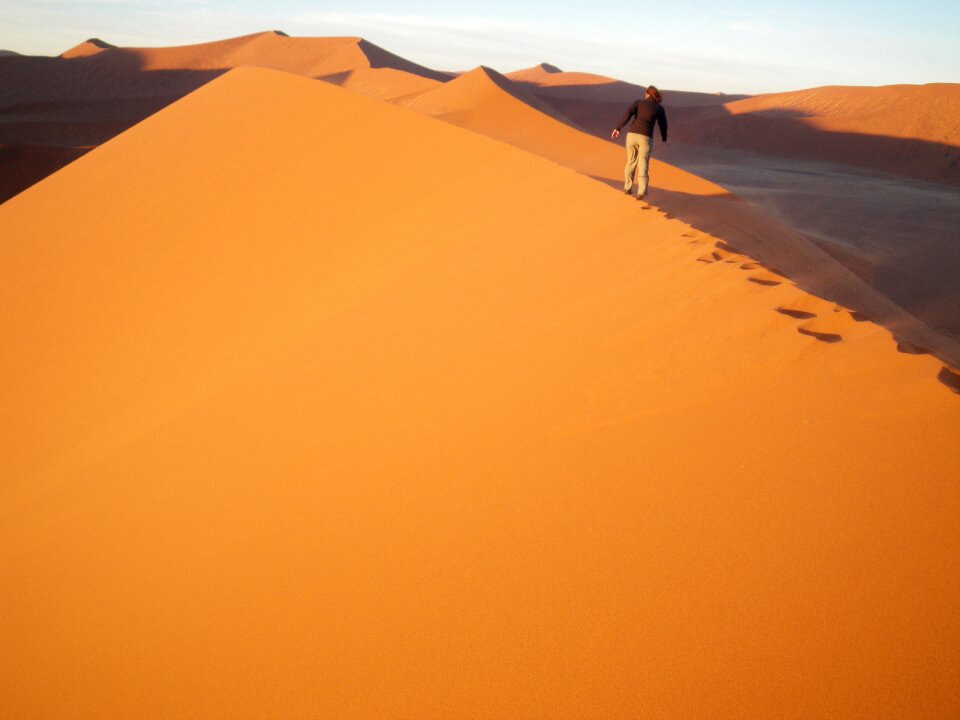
[[615, 134]]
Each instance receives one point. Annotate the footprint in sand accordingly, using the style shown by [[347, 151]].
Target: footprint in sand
[[719, 254], [804, 307], [911, 349], [767, 278], [830, 328], [950, 378], [696, 238]]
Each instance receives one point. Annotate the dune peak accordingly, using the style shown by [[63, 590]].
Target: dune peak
[[91, 46]]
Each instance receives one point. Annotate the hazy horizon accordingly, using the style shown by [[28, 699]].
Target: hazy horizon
[[749, 47]]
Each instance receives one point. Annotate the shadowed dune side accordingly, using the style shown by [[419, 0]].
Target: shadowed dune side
[[492, 440], [23, 165]]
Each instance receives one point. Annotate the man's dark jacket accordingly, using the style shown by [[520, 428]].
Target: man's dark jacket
[[645, 112]]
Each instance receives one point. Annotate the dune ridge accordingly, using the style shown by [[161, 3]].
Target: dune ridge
[[87, 48], [281, 446]]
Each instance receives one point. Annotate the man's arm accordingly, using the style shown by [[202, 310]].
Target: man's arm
[[663, 124], [631, 111]]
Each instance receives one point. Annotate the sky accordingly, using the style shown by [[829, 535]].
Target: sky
[[742, 46]]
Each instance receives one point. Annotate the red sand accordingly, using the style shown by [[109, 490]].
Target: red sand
[[466, 434]]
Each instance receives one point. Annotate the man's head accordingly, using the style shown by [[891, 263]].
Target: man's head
[[652, 92]]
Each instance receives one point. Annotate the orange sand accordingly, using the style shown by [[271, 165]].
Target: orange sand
[[294, 428]]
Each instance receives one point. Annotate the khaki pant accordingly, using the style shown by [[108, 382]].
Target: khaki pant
[[638, 161]]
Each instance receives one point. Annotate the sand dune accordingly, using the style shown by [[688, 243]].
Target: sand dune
[[910, 130], [915, 112], [281, 444]]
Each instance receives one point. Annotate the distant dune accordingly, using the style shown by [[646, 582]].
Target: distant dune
[[910, 130], [382, 83], [95, 90], [553, 83], [294, 428]]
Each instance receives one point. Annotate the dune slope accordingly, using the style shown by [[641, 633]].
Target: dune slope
[[282, 440]]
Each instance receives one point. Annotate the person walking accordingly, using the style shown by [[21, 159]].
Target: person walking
[[646, 113]]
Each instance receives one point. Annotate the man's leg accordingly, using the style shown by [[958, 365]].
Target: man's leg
[[644, 145], [632, 157]]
